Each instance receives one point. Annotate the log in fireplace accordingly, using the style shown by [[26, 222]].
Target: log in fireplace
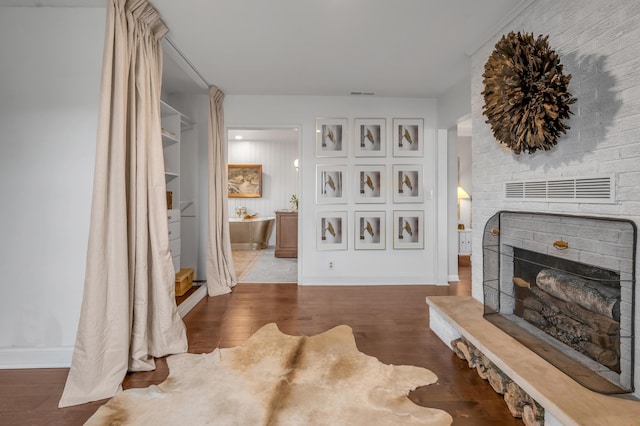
[[564, 287]]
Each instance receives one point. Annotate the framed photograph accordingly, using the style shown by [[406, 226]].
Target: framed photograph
[[331, 231], [331, 137], [370, 137], [370, 184], [244, 180], [330, 184], [408, 229], [407, 183], [407, 137], [370, 230]]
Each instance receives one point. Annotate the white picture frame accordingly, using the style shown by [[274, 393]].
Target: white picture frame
[[332, 138], [408, 137], [408, 229], [370, 230], [370, 184], [331, 184], [370, 137], [407, 183], [331, 230]]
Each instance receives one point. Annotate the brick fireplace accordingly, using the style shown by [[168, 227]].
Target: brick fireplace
[[564, 286]]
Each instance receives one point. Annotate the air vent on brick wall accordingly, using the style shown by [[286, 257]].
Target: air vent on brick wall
[[595, 189]]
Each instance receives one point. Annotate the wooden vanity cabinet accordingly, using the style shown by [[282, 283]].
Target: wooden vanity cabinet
[[286, 234]]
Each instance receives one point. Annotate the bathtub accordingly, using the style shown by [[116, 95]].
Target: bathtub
[[250, 234]]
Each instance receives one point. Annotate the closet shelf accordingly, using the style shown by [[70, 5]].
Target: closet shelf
[[168, 139], [169, 176], [186, 123]]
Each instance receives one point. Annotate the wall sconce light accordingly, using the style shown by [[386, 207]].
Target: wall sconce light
[[295, 164], [462, 194]]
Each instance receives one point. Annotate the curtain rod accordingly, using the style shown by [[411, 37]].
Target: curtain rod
[[187, 62]]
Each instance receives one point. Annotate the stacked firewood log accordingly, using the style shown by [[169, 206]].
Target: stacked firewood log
[[580, 313], [520, 404]]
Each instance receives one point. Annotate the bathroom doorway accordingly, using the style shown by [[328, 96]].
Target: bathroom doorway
[[276, 150]]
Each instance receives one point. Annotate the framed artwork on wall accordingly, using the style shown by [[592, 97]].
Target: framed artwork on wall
[[244, 180], [408, 229], [407, 183], [331, 230], [408, 136], [331, 137], [370, 184], [370, 230], [330, 184], [370, 137]]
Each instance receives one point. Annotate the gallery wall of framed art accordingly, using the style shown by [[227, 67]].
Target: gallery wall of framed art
[[372, 173]]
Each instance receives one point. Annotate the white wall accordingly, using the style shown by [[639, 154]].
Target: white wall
[[598, 43], [201, 116], [452, 204], [352, 267], [279, 176], [454, 104], [49, 86]]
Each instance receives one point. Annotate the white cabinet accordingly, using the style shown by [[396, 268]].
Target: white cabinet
[[464, 242]]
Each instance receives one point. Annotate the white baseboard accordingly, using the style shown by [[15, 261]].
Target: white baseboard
[[14, 358], [192, 301], [365, 281], [453, 278]]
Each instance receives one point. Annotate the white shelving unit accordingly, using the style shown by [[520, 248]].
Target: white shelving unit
[[182, 88], [171, 133]]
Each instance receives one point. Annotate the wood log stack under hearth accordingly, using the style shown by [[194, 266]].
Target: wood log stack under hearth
[[520, 404]]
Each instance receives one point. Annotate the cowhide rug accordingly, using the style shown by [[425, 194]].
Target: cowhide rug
[[276, 379]]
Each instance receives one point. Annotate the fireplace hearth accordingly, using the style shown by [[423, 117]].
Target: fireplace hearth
[[564, 287]]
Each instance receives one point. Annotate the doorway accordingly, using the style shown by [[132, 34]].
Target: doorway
[[276, 150], [464, 172]]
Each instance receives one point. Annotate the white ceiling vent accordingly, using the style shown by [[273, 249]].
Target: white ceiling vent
[[595, 189]]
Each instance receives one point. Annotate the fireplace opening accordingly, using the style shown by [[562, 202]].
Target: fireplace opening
[[577, 304], [563, 286]]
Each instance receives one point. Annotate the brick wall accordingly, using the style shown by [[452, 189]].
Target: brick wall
[[598, 43]]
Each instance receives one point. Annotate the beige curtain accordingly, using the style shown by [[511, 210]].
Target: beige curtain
[[128, 312], [221, 275]]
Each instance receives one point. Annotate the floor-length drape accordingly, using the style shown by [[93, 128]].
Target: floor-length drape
[[129, 313], [221, 275]]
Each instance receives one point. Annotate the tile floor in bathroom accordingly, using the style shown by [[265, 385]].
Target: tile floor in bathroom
[[271, 269]]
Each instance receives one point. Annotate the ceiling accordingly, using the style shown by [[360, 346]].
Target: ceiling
[[403, 48]]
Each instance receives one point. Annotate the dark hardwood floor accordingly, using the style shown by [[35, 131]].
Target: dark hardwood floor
[[389, 322]]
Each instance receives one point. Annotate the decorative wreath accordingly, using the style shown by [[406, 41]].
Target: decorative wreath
[[525, 93]]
